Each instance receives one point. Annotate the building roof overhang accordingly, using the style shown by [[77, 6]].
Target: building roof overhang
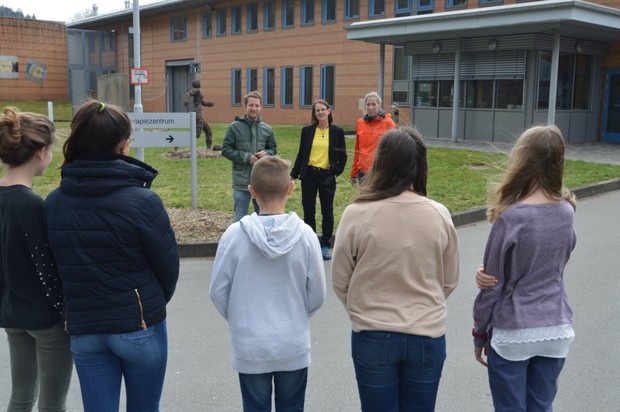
[[573, 18], [148, 10]]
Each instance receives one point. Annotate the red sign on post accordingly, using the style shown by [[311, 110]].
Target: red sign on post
[[139, 76]]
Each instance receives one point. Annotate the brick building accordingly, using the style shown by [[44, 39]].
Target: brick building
[[503, 58], [33, 60]]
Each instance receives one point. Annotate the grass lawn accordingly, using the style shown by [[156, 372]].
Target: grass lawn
[[457, 178]]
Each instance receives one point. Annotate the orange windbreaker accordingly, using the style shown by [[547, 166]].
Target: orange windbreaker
[[367, 138]]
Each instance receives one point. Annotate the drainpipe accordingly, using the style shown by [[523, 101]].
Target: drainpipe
[[381, 69], [137, 63], [456, 95], [553, 81]]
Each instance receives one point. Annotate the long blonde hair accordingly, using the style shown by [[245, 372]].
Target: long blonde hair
[[536, 161]]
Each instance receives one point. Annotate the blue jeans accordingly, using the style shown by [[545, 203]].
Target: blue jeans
[[397, 371], [241, 203], [289, 388], [139, 357], [39, 358], [529, 385]]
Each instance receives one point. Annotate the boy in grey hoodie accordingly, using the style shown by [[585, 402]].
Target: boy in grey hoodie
[[268, 280]]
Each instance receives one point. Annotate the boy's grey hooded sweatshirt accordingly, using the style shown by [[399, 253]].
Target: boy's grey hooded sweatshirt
[[268, 280]]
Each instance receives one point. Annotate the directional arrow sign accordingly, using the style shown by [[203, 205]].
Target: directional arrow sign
[[161, 139]]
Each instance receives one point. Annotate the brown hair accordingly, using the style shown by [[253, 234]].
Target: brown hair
[[270, 178], [330, 118], [254, 93], [96, 127], [22, 134], [400, 164], [536, 161]]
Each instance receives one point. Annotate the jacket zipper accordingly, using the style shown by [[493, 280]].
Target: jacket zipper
[[64, 299], [142, 321]]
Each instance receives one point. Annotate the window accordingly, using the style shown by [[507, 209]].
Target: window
[[252, 17], [252, 80], [288, 13], [351, 9], [207, 25], [329, 11], [573, 82], [403, 8], [425, 6], [509, 94], [446, 93], [426, 93], [400, 76], [269, 86], [178, 29], [305, 86], [479, 94], [490, 2], [456, 3], [328, 83], [235, 84], [307, 12], [221, 22], [376, 8], [286, 87], [269, 15], [235, 20]]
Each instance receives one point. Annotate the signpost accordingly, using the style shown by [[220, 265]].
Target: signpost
[[168, 130]]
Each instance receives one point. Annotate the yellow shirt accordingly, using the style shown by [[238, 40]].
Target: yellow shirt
[[319, 154]]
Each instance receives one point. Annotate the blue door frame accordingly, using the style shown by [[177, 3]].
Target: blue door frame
[[611, 108]]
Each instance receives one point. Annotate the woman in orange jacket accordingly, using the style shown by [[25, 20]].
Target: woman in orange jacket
[[369, 130]]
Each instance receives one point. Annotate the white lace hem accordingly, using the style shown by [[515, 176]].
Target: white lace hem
[[529, 335]]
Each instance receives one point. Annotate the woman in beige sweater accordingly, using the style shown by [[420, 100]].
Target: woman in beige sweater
[[395, 264]]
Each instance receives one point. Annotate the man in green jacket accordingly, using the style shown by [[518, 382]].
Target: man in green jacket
[[247, 139]]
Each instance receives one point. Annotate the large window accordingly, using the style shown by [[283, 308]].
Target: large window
[[307, 12], [573, 82], [269, 14], [328, 83], [235, 17], [479, 94], [252, 17], [288, 13], [376, 8], [400, 76], [207, 24], [221, 22], [269, 86], [178, 29], [351, 9], [328, 15], [235, 86], [509, 94], [305, 86], [251, 80], [286, 86]]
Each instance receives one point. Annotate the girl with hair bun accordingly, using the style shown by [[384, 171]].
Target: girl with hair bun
[[31, 301]]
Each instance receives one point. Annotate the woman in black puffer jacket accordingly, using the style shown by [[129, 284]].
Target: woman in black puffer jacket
[[118, 261]]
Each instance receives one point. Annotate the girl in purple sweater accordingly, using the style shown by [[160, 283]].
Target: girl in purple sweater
[[523, 323]]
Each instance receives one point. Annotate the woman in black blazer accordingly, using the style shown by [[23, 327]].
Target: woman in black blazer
[[321, 157]]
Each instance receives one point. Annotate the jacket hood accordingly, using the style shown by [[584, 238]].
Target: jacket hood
[[273, 235], [382, 113], [97, 174], [245, 119]]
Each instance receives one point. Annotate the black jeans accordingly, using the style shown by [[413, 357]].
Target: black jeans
[[321, 181]]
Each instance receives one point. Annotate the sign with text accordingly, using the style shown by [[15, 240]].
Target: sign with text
[[139, 76], [153, 129]]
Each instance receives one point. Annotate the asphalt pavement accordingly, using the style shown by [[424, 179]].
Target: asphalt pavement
[[199, 377]]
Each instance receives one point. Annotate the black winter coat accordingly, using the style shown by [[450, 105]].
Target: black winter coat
[[113, 244]]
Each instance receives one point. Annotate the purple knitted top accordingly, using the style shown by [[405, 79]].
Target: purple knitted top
[[527, 250]]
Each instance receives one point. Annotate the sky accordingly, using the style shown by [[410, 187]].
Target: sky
[[65, 10]]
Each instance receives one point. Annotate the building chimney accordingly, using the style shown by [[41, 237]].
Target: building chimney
[[95, 9], [127, 4]]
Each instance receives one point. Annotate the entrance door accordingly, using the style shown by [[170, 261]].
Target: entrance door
[[179, 83], [611, 114]]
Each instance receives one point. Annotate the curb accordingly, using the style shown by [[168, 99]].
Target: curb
[[195, 250]]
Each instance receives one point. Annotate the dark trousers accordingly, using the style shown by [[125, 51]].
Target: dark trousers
[[321, 181], [203, 126]]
